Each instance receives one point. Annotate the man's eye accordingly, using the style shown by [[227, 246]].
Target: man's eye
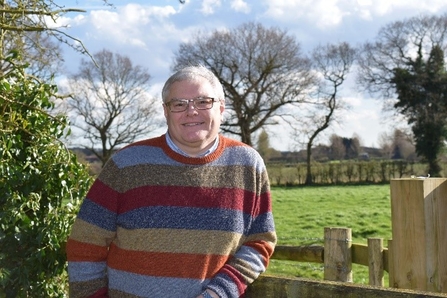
[[203, 101], [179, 104]]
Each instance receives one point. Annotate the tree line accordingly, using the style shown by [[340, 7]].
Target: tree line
[[352, 172], [267, 78], [395, 146]]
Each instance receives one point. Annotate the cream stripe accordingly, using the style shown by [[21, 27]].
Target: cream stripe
[[85, 232], [179, 241]]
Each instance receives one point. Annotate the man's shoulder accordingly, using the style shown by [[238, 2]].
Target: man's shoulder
[[154, 142], [229, 142], [239, 148]]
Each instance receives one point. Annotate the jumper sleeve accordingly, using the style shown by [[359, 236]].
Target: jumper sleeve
[[91, 234], [252, 257]]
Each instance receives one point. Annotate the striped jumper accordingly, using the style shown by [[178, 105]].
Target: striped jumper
[[158, 224]]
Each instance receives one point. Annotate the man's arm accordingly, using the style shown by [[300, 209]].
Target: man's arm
[[252, 257], [87, 246]]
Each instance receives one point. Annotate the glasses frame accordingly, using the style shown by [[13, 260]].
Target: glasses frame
[[193, 101]]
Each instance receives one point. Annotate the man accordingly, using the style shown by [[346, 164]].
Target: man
[[185, 214]]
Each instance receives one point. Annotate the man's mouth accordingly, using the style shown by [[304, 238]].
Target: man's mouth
[[192, 124]]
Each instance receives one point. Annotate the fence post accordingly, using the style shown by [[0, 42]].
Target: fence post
[[391, 271], [337, 254], [375, 261], [419, 213]]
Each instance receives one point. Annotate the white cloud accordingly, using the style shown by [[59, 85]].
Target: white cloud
[[322, 13], [209, 6], [384, 7], [329, 13], [240, 6], [130, 24]]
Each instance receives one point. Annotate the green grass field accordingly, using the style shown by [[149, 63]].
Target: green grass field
[[302, 213]]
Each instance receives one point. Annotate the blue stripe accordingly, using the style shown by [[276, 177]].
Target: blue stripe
[[160, 217], [85, 271], [251, 256], [240, 156], [141, 155], [148, 286], [263, 223], [224, 286], [97, 215]]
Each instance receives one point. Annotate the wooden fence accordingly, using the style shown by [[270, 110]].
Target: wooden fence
[[338, 254], [415, 259]]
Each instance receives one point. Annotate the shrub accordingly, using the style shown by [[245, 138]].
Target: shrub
[[41, 184]]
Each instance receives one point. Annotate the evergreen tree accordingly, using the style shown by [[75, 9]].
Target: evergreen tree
[[422, 98]]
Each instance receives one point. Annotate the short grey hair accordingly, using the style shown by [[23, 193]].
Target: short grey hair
[[190, 73]]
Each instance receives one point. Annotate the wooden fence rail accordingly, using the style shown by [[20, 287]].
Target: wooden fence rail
[[338, 254], [360, 254], [281, 287]]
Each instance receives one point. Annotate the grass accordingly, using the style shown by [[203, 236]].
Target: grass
[[302, 213]]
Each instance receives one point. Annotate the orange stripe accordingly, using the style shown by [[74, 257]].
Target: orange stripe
[[85, 252], [198, 266]]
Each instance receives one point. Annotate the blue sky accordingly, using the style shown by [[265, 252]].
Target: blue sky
[[149, 32]]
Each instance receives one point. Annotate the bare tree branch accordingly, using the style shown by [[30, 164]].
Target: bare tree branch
[[262, 70], [332, 63], [111, 102]]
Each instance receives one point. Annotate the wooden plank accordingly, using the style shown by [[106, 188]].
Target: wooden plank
[[386, 257], [359, 254], [279, 287], [375, 260], [305, 253], [390, 264], [436, 230], [408, 229], [418, 208]]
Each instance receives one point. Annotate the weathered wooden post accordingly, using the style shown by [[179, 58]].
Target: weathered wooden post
[[418, 254], [375, 261], [337, 254]]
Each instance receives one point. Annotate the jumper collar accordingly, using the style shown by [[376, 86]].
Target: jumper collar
[[174, 147]]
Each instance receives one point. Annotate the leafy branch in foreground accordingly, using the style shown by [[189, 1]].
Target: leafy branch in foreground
[[41, 185]]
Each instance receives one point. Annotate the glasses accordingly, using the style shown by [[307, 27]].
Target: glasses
[[199, 103]]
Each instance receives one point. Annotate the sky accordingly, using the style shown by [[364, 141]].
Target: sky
[[149, 32]]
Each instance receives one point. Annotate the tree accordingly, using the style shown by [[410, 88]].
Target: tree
[[41, 182], [408, 60], [38, 50], [352, 147], [422, 98], [262, 71], [264, 145], [401, 145], [385, 141], [41, 185], [332, 62], [337, 150], [29, 27], [112, 101], [264, 148]]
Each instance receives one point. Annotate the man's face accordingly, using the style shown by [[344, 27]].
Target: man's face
[[193, 131]]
